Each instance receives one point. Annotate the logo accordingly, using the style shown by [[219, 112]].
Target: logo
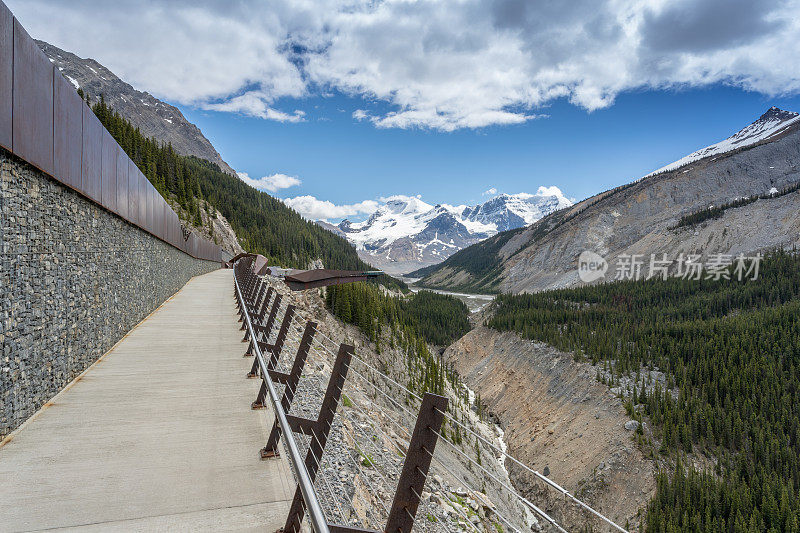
[[591, 266]]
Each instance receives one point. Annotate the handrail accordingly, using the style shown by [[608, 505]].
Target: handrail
[[315, 513]]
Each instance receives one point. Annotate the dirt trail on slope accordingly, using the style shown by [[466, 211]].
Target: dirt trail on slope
[[556, 415]]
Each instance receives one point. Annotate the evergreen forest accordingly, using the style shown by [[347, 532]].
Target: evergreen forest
[[730, 351]]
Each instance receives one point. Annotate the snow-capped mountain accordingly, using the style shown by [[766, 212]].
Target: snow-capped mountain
[[406, 233], [769, 125]]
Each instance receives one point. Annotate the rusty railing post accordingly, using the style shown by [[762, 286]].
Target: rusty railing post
[[275, 350], [418, 461], [290, 381], [264, 332], [258, 319], [318, 430]]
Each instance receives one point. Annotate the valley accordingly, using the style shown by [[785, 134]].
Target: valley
[[488, 297], [475, 302]]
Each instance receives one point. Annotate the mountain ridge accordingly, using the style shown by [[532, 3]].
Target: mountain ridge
[[641, 217], [153, 117], [406, 233]]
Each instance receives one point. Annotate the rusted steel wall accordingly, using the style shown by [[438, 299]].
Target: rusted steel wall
[[67, 133], [108, 172], [6, 76], [44, 122], [32, 107], [122, 183]]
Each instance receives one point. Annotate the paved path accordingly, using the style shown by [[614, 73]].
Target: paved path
[[158, 435]]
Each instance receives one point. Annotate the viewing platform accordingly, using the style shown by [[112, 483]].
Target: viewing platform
[[157, 435]]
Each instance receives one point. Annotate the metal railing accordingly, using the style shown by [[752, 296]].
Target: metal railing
[[253, 299], [304, 482], [268, 312]]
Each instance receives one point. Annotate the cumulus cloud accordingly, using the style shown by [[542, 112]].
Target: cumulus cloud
[[256, 104], [549, 191], [272, 183], [314, 209], [490, 191], [431, 64]]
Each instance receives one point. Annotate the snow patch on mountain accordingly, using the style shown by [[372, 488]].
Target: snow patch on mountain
[[772, 123], [406, 232]]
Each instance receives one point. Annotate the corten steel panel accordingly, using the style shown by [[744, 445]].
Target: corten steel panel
[[67, 132], [108, 172], [144, 183], [170, 227], [122, 183], [179, 242], [158, 215], [133, 192], [186, 242], [158, 218], [176, 232], [175, 224], [151, 202], [6, 74], [165, 211], [33, 102], [92, 158]]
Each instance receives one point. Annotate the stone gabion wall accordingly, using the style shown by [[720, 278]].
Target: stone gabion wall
[[74, 278]]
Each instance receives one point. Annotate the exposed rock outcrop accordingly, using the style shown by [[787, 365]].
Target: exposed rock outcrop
[[559, 420]]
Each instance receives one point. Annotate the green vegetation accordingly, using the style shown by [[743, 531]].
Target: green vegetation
[[435, 318], [411, 322], [262, 223], [716, 211], [731, 353]]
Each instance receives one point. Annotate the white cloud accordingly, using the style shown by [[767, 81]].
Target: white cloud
[[489, 192], [442, 64], [256, 104], [314, 209], [549, 191], [272, 183]]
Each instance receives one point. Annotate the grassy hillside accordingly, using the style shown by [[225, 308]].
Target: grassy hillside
[[731, 353]]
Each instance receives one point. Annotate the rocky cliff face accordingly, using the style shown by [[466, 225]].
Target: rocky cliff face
[[560, 420], [153, 117], [641, 218]]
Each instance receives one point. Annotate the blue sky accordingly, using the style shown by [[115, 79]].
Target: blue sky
[[334, 104], [346, 161]]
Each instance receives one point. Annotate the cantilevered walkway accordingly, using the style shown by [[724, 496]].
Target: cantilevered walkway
[[158, 435]]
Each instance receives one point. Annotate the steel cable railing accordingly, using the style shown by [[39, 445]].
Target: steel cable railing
[[404, 430], [320, 349], [561, 490], [315, 512]]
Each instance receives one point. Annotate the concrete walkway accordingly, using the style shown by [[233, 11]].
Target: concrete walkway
[[158, 435]]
